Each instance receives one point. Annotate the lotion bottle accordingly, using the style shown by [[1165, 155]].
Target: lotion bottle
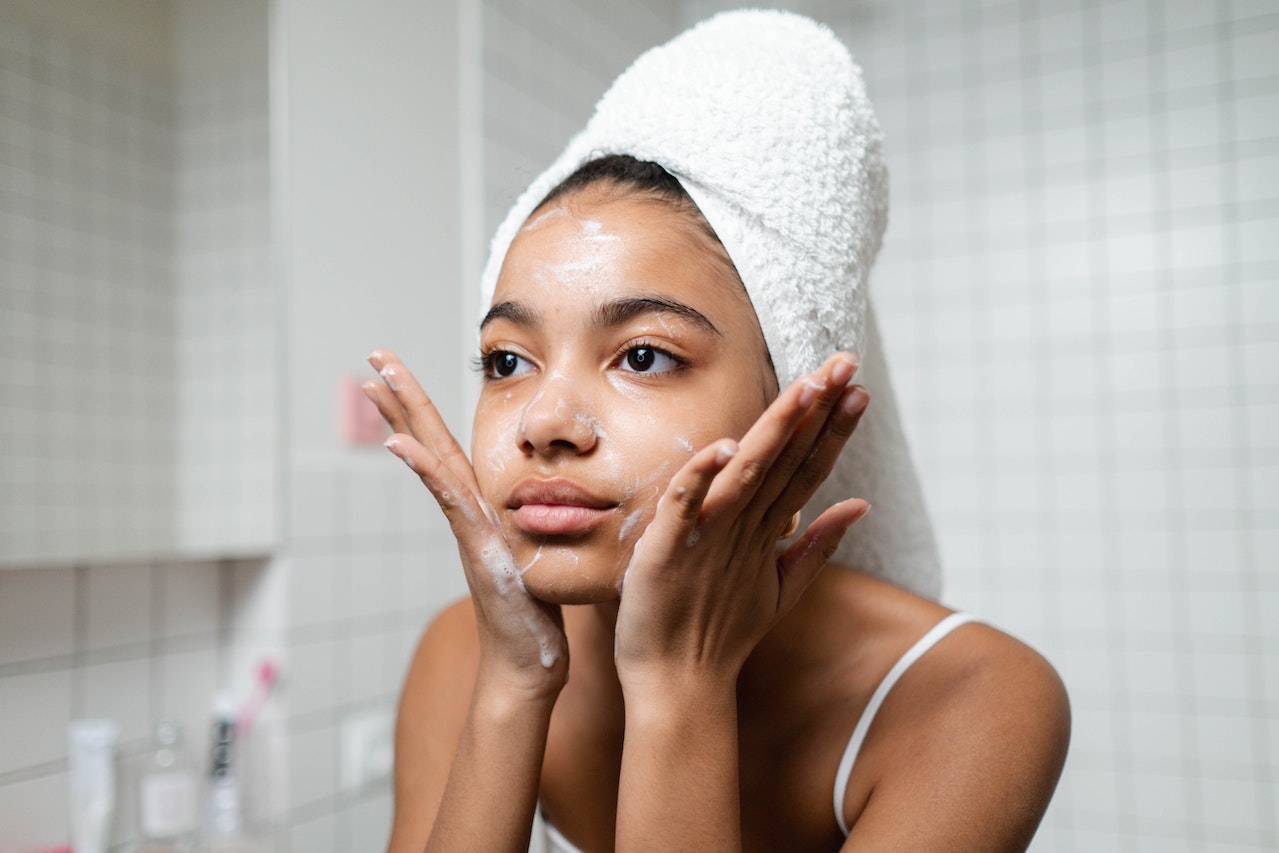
[[168, 796], [91, 777]]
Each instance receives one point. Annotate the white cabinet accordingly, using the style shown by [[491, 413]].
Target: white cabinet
[[139, 351]]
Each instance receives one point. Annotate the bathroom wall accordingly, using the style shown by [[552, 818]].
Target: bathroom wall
[[227, 310], [1080, 295], [138, 370], [137, 392], [544, 67], [365, 141], [87, 393]]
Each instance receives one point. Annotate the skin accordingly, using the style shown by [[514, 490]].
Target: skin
[[716, 672]]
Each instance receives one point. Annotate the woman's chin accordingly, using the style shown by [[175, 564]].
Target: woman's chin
[[559, 575]]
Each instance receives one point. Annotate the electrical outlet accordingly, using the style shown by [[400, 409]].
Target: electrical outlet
[[367, 748]]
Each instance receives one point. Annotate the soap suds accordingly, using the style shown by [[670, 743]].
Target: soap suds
[[506, 579], [542, 219], [628, 524], [591, 424]]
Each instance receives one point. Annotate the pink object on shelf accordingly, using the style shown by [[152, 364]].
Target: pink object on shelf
[[359, 420], [267, 673]]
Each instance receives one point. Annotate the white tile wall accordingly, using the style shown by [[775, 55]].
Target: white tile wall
[[133, 643], [86, 374], [545, 66], [1078, 290], [227, 315], [138, 348], [132, 197]]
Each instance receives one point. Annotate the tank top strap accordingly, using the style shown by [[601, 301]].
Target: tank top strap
[[555, 840], [922, 645]]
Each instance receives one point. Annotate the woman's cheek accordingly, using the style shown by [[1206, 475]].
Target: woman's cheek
[[648, 470], [495, 439]]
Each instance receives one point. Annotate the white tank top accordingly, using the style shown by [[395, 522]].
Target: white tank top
[[557, 843]]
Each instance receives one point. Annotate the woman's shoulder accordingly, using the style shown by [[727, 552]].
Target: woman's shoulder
[[448, 650], [441, 674], [438, 685], [979, 706], [432, 713]]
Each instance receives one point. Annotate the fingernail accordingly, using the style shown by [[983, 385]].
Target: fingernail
[[855, 400], [842, 371], [809, 393], [375, 358], [723, 454], [393, 444]]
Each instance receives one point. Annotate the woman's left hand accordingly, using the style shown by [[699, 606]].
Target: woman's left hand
[[705, 582]]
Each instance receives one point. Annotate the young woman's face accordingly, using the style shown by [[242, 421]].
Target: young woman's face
[[618, 344]]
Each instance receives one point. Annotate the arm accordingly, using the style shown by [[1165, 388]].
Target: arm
[[704, 585], [679, 783], [969, 748], [480, 795], [450, 735]]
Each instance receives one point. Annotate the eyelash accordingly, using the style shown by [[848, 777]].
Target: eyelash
[[642, 343], [483, 363]]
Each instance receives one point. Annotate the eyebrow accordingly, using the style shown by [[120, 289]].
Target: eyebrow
[[608, 315], [516, 312], [619, 311]]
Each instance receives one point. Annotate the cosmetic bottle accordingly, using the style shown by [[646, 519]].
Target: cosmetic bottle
[[168, 796], [224, 784], [91, 779]]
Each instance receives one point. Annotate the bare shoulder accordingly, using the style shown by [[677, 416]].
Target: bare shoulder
[[974, 735], [432, 712]]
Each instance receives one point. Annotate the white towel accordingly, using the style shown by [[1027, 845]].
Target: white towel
[[763, 118]]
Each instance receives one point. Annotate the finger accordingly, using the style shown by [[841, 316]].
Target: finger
[[690, 485], [814, 470], [679, 510], [424, 420], [799, 564], [388, 407], [815, 427], [772, 436], [456, 499]]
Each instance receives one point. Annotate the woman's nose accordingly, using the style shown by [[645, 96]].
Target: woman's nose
[[557, 418]]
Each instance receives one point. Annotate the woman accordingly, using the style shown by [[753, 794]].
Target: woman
[[651, 423]]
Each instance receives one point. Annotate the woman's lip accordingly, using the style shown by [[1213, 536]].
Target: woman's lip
[[545, 519], [555, 492]]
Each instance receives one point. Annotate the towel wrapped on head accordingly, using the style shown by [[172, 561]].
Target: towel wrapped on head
[[762, 117]]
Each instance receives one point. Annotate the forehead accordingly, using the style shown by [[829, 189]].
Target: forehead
[[593, 243]]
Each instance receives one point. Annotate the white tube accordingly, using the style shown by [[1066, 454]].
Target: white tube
[[224, 784], [91, 778]]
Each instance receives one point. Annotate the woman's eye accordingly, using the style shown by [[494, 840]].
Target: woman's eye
[[502, 364], [648, 360]]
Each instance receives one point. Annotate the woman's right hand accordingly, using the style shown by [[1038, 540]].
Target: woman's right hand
[[522, 643]]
